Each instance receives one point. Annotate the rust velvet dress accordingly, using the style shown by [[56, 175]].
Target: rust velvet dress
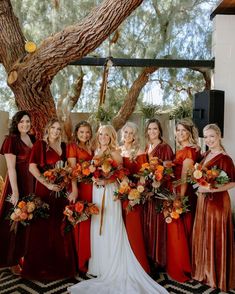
[[154, 223], [179, 231], [134, 219], [50, 253], [213, 258], [12, 244], [82, 230]]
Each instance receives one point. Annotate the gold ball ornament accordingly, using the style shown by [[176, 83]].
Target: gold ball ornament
[[30, 47]]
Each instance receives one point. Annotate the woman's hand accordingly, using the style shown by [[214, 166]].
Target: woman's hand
[[99, 182], [72, 197], [53, 187], [205, 189], [14, 198]]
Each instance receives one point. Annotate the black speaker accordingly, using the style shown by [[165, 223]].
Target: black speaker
[[208, 108]]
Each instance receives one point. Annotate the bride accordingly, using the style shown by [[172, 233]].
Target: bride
[[112, 260]]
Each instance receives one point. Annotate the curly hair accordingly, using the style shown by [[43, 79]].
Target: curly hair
[[47, 128], [190, 127], [82, 123], [157, 122], [13, 130], [109, 129]]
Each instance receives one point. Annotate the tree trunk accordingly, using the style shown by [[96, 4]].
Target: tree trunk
[[30, 75], [131, 99]]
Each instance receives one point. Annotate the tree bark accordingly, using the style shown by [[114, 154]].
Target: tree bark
[[30, 75], [131, 99]]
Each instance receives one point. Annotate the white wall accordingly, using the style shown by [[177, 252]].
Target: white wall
[[223, 49]]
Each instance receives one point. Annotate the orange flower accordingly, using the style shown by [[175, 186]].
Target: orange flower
[[93, 209], [23, 216], [21, 204], [158, 176], [160, 168], [48, 173], [174, 215], [145, 166], [177, 204], [86, 172], [79, 206]]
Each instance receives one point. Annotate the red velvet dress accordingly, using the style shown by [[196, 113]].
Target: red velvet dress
[[213, 256], [179, 232], [154, 223], [50, 252], [12, 245], [134, 219], [82, 230]]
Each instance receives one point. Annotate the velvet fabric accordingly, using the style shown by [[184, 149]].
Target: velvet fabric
[[213, 256], [50, 253], [133, 220], [179, 231], [154, 223], [82, 230], [12, 245]]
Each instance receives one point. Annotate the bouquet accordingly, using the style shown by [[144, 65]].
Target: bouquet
[[135, 193], [210, 178], [82, 171], [59, 175], [155, 172], [106, 168], [172, 206], [78, 212], [28, 209]]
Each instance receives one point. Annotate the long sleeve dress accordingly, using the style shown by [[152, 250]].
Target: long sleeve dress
[[154, 223], [134, 219], [82, 230], [179, 231], [213, 256], [50, 252], [12, 245]]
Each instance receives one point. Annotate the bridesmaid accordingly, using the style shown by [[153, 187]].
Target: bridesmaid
[[133, 157], [80, 151], [50, 254], [213, 257], [19, 182], [179, 232], [154, 224]]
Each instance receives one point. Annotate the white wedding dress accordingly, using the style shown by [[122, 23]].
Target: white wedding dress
[[112, 260]]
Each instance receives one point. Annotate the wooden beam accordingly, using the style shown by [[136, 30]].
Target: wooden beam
[[224, 7], [135, 62]]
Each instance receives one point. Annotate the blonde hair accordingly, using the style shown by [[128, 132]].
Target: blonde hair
[[134, 127], [192, 130], [113, 145], [47, 128], [217, 130]]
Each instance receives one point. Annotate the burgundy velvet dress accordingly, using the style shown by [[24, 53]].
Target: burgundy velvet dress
[[50, 252], [82, 230], [134, 219], [12, 245], [154, 223], [213, 257], [179, 231]]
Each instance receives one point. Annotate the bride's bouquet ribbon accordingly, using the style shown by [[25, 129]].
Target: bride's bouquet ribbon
[[102, 212]]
